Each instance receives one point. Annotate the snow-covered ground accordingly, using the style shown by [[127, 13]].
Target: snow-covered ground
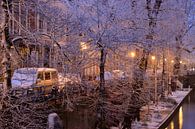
[[153, 116]]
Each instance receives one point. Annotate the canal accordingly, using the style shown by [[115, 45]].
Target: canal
[[185, 117], [78, 119]]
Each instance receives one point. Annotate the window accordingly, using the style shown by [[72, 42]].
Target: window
[[54, 75], [41, 24], [47, 76], [23, 17], [16, 18], [40, 76], [31, 19], [48, 27]]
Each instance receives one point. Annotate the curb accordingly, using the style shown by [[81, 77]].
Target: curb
[[167, 120]]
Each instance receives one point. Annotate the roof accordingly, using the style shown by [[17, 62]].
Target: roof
[[36, 69]]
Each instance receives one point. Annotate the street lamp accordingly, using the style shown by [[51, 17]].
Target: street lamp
[[132, 54], [153, 58]]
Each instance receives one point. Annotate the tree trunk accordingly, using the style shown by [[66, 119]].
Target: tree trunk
[[102, 71], [6, 43], [152, 15], [139, 72], [102, 92], [177, 65], [163, 77]]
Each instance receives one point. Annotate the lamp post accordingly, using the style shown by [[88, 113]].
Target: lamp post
[[154, 63], [132, 55], [154, 60], [83, 47]]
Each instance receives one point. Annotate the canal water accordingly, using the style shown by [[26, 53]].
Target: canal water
[[78, 119], [185, 117]]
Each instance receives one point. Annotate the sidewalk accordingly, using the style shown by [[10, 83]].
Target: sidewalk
[[159, 114]]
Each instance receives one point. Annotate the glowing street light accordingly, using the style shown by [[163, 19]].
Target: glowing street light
[[181, 62], [153, 57], [172, 61], [132, 54]]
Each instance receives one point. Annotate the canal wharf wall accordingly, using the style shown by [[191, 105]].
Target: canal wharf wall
[[157, 116], [167, 120]]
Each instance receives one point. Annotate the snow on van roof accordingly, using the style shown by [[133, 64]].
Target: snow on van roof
[[36, 69]]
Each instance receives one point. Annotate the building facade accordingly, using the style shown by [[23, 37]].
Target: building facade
[[25, 25]]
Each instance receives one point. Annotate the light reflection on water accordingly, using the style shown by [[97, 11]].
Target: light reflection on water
[[78, 119], [185, 117], [177, 122], [172, 125], [180, 118]]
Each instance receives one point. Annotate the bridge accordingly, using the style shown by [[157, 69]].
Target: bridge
[[189, 79]]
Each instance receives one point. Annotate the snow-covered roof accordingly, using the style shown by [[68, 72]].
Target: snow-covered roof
[[36, 69]]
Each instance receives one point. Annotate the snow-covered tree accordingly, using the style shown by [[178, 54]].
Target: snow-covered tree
[[6, 43]]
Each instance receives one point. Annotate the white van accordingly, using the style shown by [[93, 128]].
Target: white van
[[35, 78]]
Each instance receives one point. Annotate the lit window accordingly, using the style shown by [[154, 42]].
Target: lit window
[[83, 46]]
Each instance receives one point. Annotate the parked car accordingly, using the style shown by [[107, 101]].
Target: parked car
[[115, 74], [107, 76], [118, 74], [36, 79], [68, 78]]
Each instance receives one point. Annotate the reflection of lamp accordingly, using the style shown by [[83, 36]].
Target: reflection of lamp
[[172, 125], [172, 61], [180, 62], [180, 118], [83, 46]]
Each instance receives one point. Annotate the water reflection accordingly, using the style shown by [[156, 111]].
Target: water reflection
[[172, 125], [78, 119], [185, 117], [180, 118], [177, 122]]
